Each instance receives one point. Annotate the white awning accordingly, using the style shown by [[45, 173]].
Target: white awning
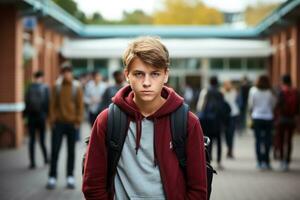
[[178, 48]]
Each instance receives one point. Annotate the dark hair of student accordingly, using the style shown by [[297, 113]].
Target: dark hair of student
[[286, 79], [213, 81], [38, 74], [263, 82]]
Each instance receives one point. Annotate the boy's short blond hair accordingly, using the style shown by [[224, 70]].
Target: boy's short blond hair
[[150, 50]]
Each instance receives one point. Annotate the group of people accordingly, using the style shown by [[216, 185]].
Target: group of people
[[274, 110], [273, 113], [63, 105], [148, 165]]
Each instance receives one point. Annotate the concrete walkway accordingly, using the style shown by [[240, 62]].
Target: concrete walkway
[[240, 180]]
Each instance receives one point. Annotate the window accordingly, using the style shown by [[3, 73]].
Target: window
[[101, 65], [256, 64], [79, 66], [216, 63], [186, 63], [235, 63]]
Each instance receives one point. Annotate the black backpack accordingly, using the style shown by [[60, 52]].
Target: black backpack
[[216, 111], [117, 123], [35, 99]]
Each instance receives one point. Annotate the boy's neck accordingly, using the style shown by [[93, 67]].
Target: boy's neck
[[149, 108]]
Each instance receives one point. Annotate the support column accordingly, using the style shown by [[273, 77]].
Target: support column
[[33, 65], [54, 58], [295, 57], [42, 44], [283, 53], [275, 60], [11, 82], [47, 55], [205, 72]]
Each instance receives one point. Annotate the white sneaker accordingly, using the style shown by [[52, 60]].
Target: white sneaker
[[70, 182], [51, 184], [284, 166]]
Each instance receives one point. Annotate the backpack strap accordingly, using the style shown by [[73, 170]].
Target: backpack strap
[[179, 120], [115, 137]]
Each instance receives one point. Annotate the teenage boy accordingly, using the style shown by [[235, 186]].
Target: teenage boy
[[148, 167], [66, 113]]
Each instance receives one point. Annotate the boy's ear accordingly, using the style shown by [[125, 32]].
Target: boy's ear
[[166, 76], [126, 73]]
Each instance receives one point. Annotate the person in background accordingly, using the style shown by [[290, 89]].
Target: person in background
[[261, 104], [230, 96], [188, 94], [36, 111], [112, 90], [213, 114], [66, 113], [243, 104], [287, 109], [93, 95]]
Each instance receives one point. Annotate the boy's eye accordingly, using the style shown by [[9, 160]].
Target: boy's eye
[[138, 74], [155, 74]]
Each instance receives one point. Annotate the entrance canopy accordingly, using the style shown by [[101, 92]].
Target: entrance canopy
[[178, 48]]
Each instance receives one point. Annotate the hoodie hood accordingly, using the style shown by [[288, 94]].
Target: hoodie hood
[[124, 99]]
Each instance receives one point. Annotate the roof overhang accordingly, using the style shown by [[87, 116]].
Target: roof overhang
[[285, 15], [178, 31], [178, 48]]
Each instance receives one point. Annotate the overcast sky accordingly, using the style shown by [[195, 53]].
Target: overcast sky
[[113, 9]]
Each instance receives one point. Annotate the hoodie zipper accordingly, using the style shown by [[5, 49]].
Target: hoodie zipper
[[156, 162]]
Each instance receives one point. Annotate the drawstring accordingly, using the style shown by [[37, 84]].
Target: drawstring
[[138, 118]]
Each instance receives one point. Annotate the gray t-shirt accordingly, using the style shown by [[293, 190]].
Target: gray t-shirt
[[137, 177]]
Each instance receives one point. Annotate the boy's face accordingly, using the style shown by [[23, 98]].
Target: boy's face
[[67, 75], [146, 81]]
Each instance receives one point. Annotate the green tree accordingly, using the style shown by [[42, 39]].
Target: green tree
[[192, 12], [71, 7], [136, 17], [68, 5]]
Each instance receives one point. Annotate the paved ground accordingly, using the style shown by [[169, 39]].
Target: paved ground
[[239, 181]]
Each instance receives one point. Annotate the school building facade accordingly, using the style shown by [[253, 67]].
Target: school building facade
[[40, 35]]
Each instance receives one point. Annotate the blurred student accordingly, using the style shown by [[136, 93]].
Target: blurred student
[[36, 111], [243, 103], [287, 109], [66, 113], [261, 104], [93, 95], [230, 96], [112, 90], [213, 113]]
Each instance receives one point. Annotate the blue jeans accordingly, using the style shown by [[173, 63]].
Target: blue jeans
[[263, 140]]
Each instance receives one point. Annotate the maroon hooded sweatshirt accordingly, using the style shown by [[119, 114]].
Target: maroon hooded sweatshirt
[[175, 185]]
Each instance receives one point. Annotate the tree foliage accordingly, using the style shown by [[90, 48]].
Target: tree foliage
[[255, 14], [71, 7], [192, 12], [136, 17]]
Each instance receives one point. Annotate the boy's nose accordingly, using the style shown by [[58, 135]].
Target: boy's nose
[[147, 81]]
